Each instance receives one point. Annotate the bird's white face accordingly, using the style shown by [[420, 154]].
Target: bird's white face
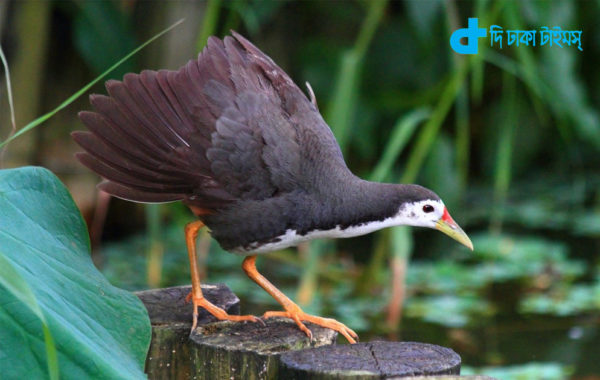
[[433, 214], [422, 213]]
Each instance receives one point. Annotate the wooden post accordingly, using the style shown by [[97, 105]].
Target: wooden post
[[171, 317], [373, 360], [275, 350], [217, 350], [248, 351]]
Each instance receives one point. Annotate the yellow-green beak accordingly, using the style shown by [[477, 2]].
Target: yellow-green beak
[[448, 226]]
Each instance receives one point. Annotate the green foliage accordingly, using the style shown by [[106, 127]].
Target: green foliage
[[449, 291], [445, 277], [449, 310], [401, 134], [521, 251], [564, 300], [59, 315], [31, 125], [103, 34], [209, 23], [344, 98]]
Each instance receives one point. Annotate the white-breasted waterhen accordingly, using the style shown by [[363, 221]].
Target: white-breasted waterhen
[[230, 135]]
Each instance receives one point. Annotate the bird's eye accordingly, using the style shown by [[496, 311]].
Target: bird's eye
[[428, 208]]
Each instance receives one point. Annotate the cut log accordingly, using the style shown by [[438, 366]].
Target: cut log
[[217, 350], [166, 306], [251, 350], [169, 356], [230, 350], [373, 360]]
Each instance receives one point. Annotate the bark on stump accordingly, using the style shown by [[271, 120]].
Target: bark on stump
[[373, 360], [171, 318], [229, 350], [217, 350]]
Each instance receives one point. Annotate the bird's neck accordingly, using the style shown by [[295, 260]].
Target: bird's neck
[[356, 201]]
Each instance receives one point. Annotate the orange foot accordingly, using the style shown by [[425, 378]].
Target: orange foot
[[219, 313], [297, 315]]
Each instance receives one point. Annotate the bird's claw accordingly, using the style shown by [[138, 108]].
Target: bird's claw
[[217, 312], [298, 316]]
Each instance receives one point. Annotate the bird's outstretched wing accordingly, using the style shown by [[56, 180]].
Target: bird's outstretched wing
[[230, 125]]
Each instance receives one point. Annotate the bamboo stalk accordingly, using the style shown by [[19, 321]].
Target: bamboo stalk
[[343, 103], [502, 174], [209, 23]]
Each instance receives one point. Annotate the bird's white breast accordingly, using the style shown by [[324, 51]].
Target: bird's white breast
[[291, 238]]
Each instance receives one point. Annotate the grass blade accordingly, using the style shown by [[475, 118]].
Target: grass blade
[[402, 245], [401, 134], [12, 281], [309, 278], [83, 90], [431, 128], [463, 137], [504, 154], [10, 101], [154, 258], [343, 103], [209, 24]]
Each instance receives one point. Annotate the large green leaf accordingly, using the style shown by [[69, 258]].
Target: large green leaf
[[53, 301]]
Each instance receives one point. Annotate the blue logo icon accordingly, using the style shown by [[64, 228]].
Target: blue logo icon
[[472, 33]]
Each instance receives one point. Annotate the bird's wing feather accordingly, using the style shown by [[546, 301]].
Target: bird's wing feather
[[230, 125]]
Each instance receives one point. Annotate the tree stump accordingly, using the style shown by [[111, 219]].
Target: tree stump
[[247, 350], [373, 360], [217, 350], [229, 350], [170, 352]]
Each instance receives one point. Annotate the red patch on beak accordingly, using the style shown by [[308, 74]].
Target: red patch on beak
[[447, 218]]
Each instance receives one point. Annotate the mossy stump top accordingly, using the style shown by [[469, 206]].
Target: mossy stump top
[[373, 360], [251, 350]]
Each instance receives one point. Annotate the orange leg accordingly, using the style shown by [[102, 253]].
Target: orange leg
[[191, 233], [292, 310]]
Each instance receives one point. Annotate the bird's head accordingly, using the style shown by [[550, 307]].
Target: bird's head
[[421, 207]]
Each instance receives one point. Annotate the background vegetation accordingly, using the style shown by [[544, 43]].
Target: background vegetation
[[509, 138]]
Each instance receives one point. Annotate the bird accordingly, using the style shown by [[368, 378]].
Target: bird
[[231, 136]]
